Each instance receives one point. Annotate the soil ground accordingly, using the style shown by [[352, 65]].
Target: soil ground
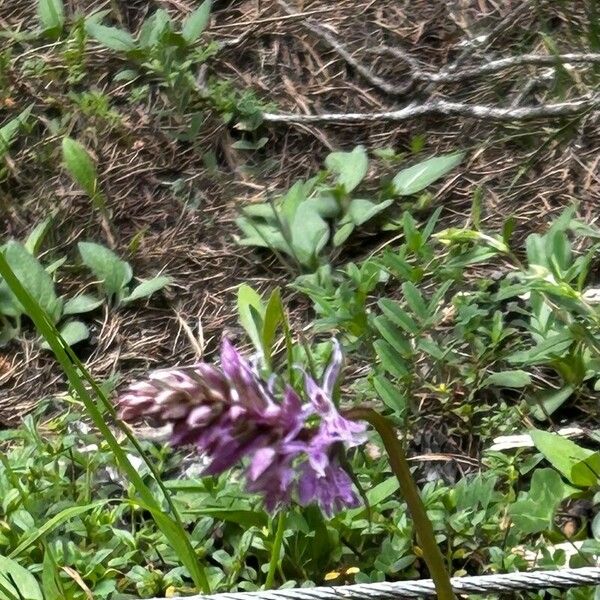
[[529, 170]]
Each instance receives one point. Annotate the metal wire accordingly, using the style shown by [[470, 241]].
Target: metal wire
[[482, 584]]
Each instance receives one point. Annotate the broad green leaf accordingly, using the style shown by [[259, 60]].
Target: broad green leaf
[[508, 379], [9, 130], [416, 178], [535, 512], [36, 238], [81, 304], [147, 288], [325, 205], [343, 233], [376, 496], [579, 465], [153, 28], [34, 279], [112, 272], [361, 211], [80, 166], [251, 312], [72, 333], [260, 210], [391, 361], [262, 235], [51, 14], [111, 37], [309, 234], [550, 400], [196, 23], [350, 167], [17, 580], [250, 145]]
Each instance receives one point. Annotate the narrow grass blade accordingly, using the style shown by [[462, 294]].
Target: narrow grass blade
[[76, 372]]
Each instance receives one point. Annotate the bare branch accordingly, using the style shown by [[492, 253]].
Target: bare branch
[[493, 66], [448, 109]]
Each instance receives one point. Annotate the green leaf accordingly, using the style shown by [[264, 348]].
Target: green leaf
[[17, 580], [262, 235], [250, 145], [309, 234], [72, 333], [508, 379], [273, 316], [342, 234], [416, 178], [551, 347], [81, 304], [550, 400], [391, 361], [390, 394], [112, 272], [535, 512], [34, 279], [53, 523], [51, 581], [111, 37], [393, 311], [250, 314], [415, 300], [196, 23], [51, 14], [153, 28], [260, 210], [147, 288], [9, 130], [36, 238], [394, 336], [361, 211], [579, 465], [350, 167], [80, 166]]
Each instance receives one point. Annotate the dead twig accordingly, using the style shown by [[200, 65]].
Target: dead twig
[[450, 75], [448, 109]]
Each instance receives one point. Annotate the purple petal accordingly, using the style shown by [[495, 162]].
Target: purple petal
[[332, 372], [261, 461]]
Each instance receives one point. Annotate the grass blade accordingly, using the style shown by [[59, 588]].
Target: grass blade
[[74, 370]]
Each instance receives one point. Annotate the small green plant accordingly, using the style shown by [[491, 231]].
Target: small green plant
[[314, 219], [115, 274], [8, 134], [51, 14], [38, 281]]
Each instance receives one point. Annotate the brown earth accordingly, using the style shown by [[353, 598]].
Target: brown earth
[[528, 169]]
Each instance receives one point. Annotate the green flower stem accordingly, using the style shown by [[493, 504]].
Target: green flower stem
[[431, 552], [276, 551]]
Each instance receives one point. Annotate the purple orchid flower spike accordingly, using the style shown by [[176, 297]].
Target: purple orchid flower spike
[[231, 414]]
